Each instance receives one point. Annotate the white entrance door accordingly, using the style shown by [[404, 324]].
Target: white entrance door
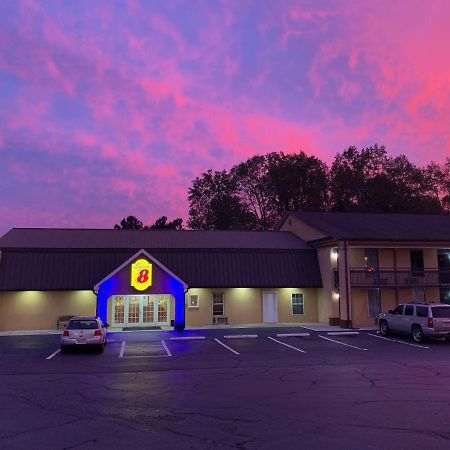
[[270, 307]]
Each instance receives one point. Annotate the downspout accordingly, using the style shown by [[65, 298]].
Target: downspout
[[347, 284]]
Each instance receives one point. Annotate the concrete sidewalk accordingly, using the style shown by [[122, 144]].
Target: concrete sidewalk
[[319, 327]]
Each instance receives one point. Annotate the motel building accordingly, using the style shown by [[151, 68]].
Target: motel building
[[319, 267]]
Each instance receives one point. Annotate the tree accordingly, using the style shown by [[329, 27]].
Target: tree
[[438, 181], [297, 182], [252, 183], [130, 223], [214, 203], [371, 180], [162, 224]]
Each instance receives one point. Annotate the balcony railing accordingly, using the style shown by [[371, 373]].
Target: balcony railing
[[397, 278]]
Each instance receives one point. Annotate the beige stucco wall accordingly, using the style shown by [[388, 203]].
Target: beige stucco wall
[[360, 308], [386, 258], [244, 306], [39, 310], [285, 307], [301, 229], [241, 305], [356, 258], [388, 299], [430, 260], [403, 258], [327, 297]]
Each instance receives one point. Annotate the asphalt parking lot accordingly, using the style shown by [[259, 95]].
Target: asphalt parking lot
[[271, 388]]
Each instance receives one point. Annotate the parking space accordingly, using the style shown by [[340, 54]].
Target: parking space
[[211, 346]]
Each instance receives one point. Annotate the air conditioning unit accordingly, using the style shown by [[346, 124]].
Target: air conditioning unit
[[220, 320]]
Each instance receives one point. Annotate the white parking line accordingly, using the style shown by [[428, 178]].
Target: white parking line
[[166, 348], [398, 342], [240, 336], [53, 354], [342, 343], [186, 338], [226, 346], [342, 333], [293, 334], [287, 345], [122, 349]]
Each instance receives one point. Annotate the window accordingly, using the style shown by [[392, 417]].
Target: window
[[298, 303], [444, 266], [398, 310], [409, 310], [441, 312], [416, 260], [119, 310], [218, 300], [148, 309], [194, 301], [422, 311], [445, 295], [443, 258], [162, 308], [371, 259], [133, 309], [373, 302]]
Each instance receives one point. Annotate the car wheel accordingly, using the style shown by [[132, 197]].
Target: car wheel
[[384, 328], [101, 348], [417, 333]]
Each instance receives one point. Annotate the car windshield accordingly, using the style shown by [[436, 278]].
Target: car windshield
[[82, 325], [441, 312]]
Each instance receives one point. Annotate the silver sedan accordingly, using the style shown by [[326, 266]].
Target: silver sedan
[[84, 332]]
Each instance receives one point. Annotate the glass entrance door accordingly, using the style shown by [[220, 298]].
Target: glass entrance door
[[140, 310]]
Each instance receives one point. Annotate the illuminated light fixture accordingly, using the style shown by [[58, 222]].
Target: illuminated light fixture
[[334, 254]]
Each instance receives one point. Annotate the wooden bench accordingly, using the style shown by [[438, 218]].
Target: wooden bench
[[62, 321]]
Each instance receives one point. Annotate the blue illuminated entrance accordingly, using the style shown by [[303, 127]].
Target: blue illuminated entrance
[[141, 291]]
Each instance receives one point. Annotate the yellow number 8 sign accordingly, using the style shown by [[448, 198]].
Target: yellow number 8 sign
[[141, 274]]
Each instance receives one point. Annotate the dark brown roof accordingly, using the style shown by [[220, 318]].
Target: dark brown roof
[[153, 239], [56, 259], [69, 270], [379, 226]]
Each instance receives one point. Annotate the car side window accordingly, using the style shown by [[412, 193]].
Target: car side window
[[398, 310], [421, 311], [409, 309]]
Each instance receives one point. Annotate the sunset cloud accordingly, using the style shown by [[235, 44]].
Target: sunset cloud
[[112, 108]]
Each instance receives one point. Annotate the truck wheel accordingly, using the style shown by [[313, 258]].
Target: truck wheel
[[417, 333], [384, 328]]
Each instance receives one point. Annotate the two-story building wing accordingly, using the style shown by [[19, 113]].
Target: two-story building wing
[[371, 262]]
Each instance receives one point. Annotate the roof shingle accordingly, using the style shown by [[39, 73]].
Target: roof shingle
[[379, 226]]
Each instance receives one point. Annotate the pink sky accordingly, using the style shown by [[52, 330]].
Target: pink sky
[[112, 108]]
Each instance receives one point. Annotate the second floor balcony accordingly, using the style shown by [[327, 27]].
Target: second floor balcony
[[397, 278]]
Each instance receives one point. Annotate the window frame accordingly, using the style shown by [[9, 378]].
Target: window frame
[[213, 295], [190, 305], [301, 303]]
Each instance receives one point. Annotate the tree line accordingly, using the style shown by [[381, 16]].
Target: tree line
[[255, 194]]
